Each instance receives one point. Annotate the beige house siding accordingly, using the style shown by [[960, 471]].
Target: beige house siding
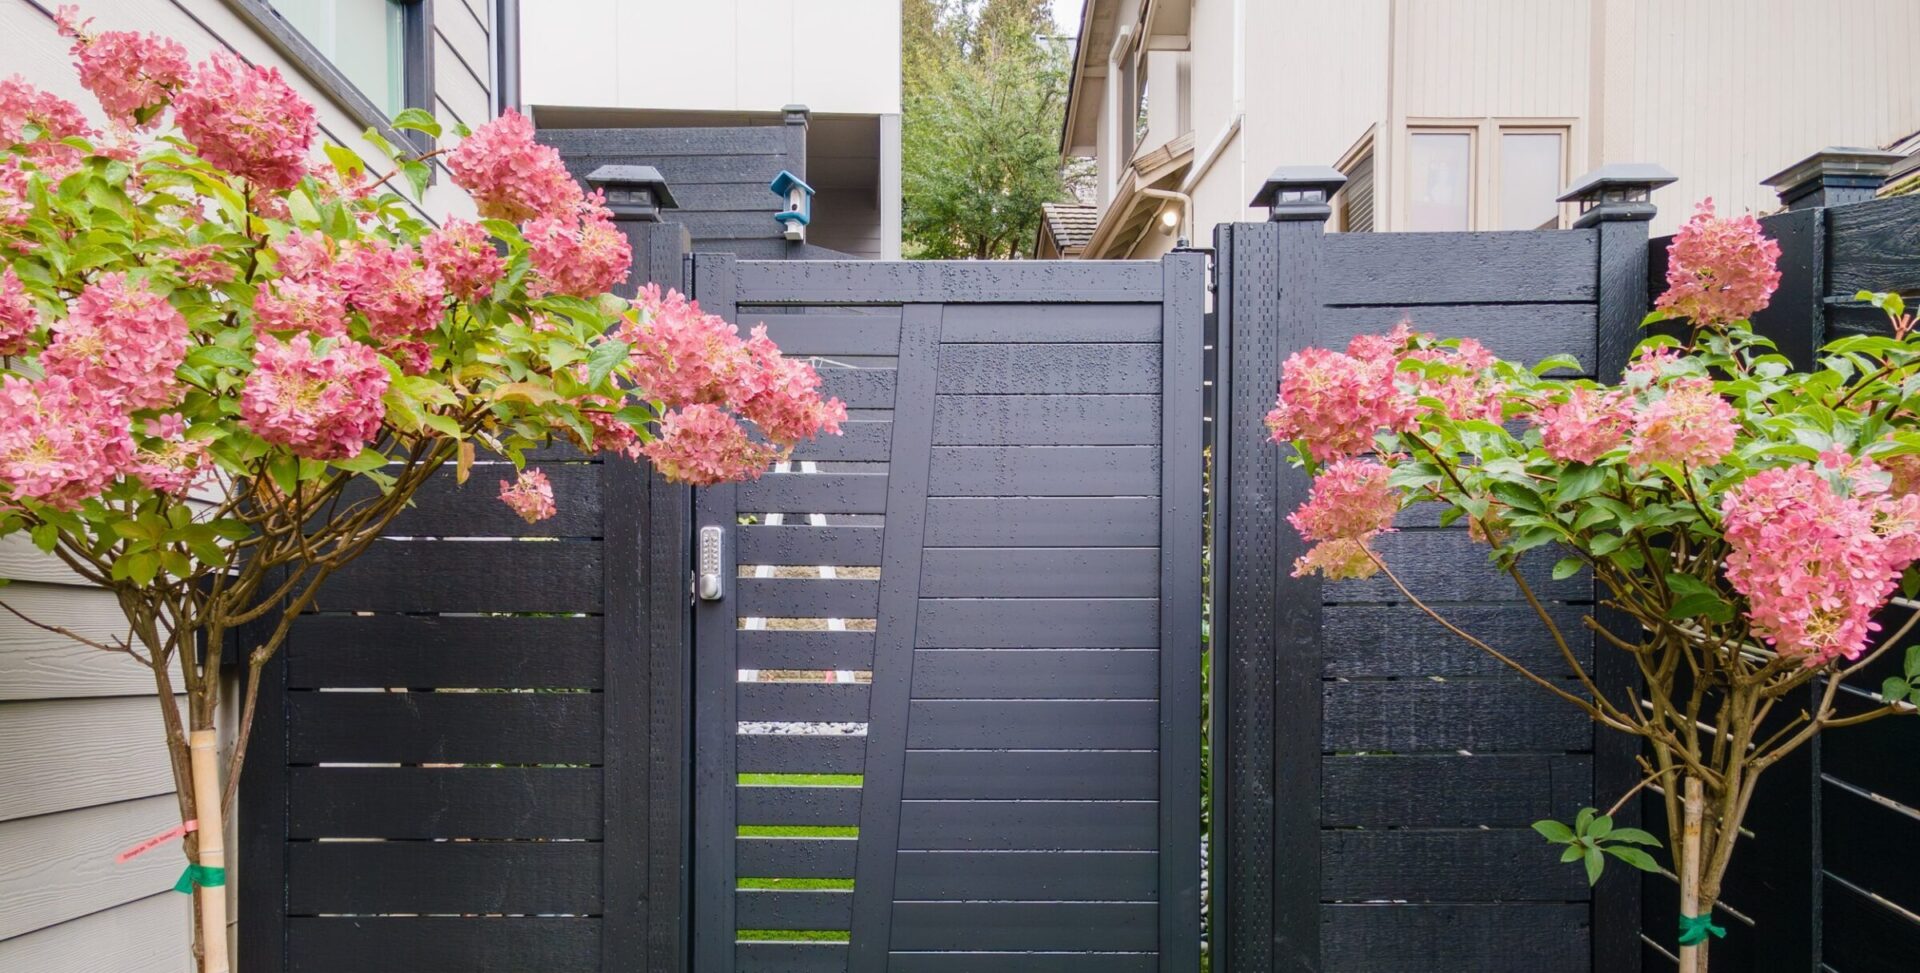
[[83, 771], [1722, 92]]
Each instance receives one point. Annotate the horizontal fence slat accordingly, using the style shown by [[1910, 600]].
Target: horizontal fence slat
[[829, 334], [1526, 333], [1040, 572], [1038, 623], [1419, 716], [839, 546], [668, 142], [794, 857], [779, 753], [1050, 322], [774, 649], [859, 441], [1846, 819], [946, 281], [444, 507], [804, 702], [1870, 246], [805, 909], [1508, 937], [859, 388], [1044, 471], [509, 728], [951, 724], [812, 806], [1510, 865], [1028, 876], [1110, 775], [1859, 933], [1445, 791], [795, 957], [521, 877], [1042, 521], [1460, 268], [416, 944], [1030, 825], [1035, 962], [814, 493], [1401, 640], [1019, 926], [1446, 565], [1874, 755], [1046, 420], [468, 576], [1036, 674], [444, 802], [326, 651], [1002, 369], [807, 597]]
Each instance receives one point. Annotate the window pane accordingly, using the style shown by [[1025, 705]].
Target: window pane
[[1529, 180], [1438, 180], [365, 39]]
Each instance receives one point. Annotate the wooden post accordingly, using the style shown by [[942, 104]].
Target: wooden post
[[204, 754], [1693, 959]]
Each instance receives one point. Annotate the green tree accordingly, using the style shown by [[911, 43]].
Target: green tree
[[984, 90]]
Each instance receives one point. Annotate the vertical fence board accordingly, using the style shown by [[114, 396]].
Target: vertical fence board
[[1181, 512]]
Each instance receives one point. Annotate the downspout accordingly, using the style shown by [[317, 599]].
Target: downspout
[[1110, 179], [506, 53], [1240, 97]]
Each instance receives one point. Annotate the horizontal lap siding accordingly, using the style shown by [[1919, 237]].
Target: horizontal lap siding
[[1436, 758]]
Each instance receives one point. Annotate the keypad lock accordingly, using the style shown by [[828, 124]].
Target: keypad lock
[[712, 582]]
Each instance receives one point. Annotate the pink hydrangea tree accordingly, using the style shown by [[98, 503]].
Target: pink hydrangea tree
[[1747, 522], [213, 335]]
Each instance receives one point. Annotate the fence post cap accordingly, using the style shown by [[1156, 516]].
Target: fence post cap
[[636, 193], [1835, 167], [1299, 192], [1617, 192]]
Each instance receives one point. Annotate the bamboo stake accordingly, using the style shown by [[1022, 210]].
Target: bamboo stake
[[1693, 959], [213, 851]]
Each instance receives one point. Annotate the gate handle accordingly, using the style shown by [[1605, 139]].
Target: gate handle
[[712, 582]]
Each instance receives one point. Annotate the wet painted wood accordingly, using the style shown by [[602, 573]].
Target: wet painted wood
[[445, 802], [810, 909], [775, 649], [376, 727], [444, 507], [829, 334], [803, 702], [1871, 246], [859, 388], [1062, 623], [944, 281], [860, 441], [1410, 938], [1401, 640], [1525, 333], [1036, 674], [792, 958], [443, 877], [1036, 962], [811, 493], [807, 597], [468, 576], [786, 754], [811, 806], [1425, 716], [1042, 521], [415, 944], [1029, 825], [1859, 933], [795, 857], [1451, 791], [1028, 876], [1046, 420], [377, 651], [1045, 471], [976, 927], [839, 546], [1448, 866], [1507, 268], [1448, 566], [951, 724], [1076, 775], [1063, 369], [1063, 572]]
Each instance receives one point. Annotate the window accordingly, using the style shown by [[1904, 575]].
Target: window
[[1532, 170], [1353, 205], [366, 40], [1439, 180]]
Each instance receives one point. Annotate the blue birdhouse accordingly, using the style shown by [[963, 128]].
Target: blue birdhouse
[[799, 211]]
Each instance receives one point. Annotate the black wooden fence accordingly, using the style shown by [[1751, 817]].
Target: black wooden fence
[[1374, 779]]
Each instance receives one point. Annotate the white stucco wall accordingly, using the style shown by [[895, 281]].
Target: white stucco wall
[[834, 56]]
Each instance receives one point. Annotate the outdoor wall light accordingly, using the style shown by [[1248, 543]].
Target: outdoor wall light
[[1299, 193], [1620, 191], [799, 211]]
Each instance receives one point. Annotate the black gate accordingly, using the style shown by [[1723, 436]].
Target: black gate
[[947, 701]]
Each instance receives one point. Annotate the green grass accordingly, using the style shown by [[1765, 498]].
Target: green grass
[[795, 884], [801, 780], [791, 935], [797, 831]]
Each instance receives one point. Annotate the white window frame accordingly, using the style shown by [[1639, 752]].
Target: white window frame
[[1483, 160]]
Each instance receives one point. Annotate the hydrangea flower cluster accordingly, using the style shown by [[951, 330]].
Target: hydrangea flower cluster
[[462, 253], [580, 253], [19, 319], [1334, 402], [1585, 425], [511, 176], [122, 340], [134, 75], [38, 124], [399, 295], [1689, 425], [321, 402], [61, 440], [246, 120], [701, 444], [1350, 503], [1719, 270], [530, 495], [1817, 551]]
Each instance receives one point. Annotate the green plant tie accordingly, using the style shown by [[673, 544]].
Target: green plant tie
[[1694, 929], [205, 876]]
